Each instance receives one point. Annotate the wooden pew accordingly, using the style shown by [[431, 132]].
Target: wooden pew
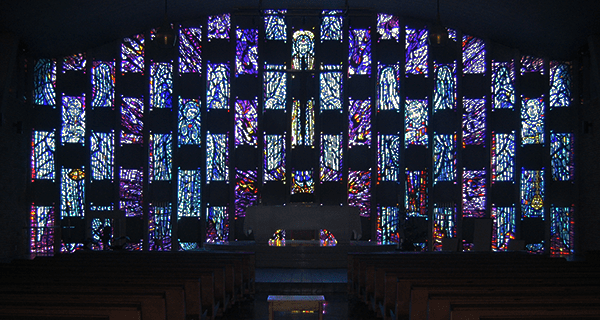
[[107, 312]]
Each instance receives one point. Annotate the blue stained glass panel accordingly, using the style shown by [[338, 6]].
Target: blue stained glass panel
[[444, 224], [388, 26], [132, 54], [359, 191], [387, 225], [217, 91], [102, 149], [102, 234], [218, 26], [561, 156], [474, 193], [388, 87], [189, 195], [275, 88], [503, 156], [103, 84], [131, 192], [417, 51], [73, 120], [246, 51], [388, 157], [159, 227], [246, 122], [217, 224], [190, 122], [560, 84], [359, 52], [473, 55], [42, 155], [415, 122], [246, 191], [473, 122], [44, 82], [331, 90], [217, 159], [503, 85], [275, 26], [41, 238], [303, 50], [444, 94], [561, 231], [503, 228], [161, 85], [190, 50], [331, 157], [75, 62], [415, 196], [359, 122], [302, 182], [532, 64], [161, 157], [132, 122], [274, 157], [444, 157], [532, 193], [532, 121], [331, 25], [309, 123], [72, 192]]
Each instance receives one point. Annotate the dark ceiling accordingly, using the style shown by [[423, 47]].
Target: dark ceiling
[[556, 29]]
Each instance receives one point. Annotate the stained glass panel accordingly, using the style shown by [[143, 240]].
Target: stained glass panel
[[102, 149], [132, 54], [302, 182], [473, 122], [503, 156], [44, 82], [415, 199], [246, 51], [444, 157], [532, 193], [560, 84], [42, 155], [331, 157], [388, 87], [561, 156], [159, 227], [275, 27], [473, 55], [41, 239], [331, 90], [359, 191], [132, 123], [72, 191], [474, 193], [161, 85], [388, 157], [415, 122], [303, 50], [561, 231], [218, 26], [359, 52], [189, 195], [296, 124], [274, 157], [387, 225], [309, 123], [246, 191], [217, 224], [359, 122], [217, 159], [444, 224], [444, 94], [217, 91], [532, 64], [503, 85], [388, 26], [275, 87], [503, 228], [161, 157], [75, 62], [532, 121], [246, 122], [73, 120], [190, 122], [417, 51], [190, 50], [103, 84], [102, 234], [331, 25], [131, 192]]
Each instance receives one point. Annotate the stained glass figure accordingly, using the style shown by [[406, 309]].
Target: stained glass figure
[[131, 192], [331, 157], [474, 193], [561, 231], [189, 195], [217, 91], [41, 238], [473, 55], [503, 228], [42, 155], [561, 156], [473, 122], [160, 157], [102, 234], [444, 94], [415, 197], [159, 227], [217, 159], [532, 64], [388, 87], [103, 84], [274, 157], [387, 225], [73, 120], [275, 27], [275, 88], [72, 191], [44, 82], [102, 150], [444, 157], [331, 90], [417, 51], [190, 50], [246, 191], [302, 182], [132, 54], [246, 51], [190, 122], [309, 123], [161, 85], [415, 122], [331, 25], [132, 122], [444, 224], [303, 50], [532, 121], [503, 85], [532, 193], [359, 191], [388, 157], [560, 84], [218, 26], [75, 62], [359, 122], [503, 156], [217, 225], [359, 52], [388, 26], [246, 122]]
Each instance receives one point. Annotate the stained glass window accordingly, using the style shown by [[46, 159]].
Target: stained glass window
[[44, 90], [246, 122], [415, 199], [473, 55], [189, 195], [388, 157], [72, 191], [190, 122], [416, 122], [302, 182], [331, 25], [218, 26], [275, 27], [159, 227], [331, 157], [417, 51], [246, 191], [296, 124], [387, 225], [132, 122], [388, 87], [503, 228], [303, 50], [359, 52], [561, 156], [359, 122], [102, 234], [217, 224], [388, 26], [246, 51], [217, 92], [474, 193], [444, 224], [103, 84], [444, 157], [42, 230], [503, 85], [217, 159], [161, 157], [73, 120], [359, 191], [102, 150], [561, 231], [161, 85], [503, 156], [532, 64], [532, 193], [444, 94], [275, 87], [309, 123], [42, 155], [532, 121], [131, 192], [132, 54], [331, 90], [274, 157], [560, 84], [190, 50], [473, 122], [75, 62]]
